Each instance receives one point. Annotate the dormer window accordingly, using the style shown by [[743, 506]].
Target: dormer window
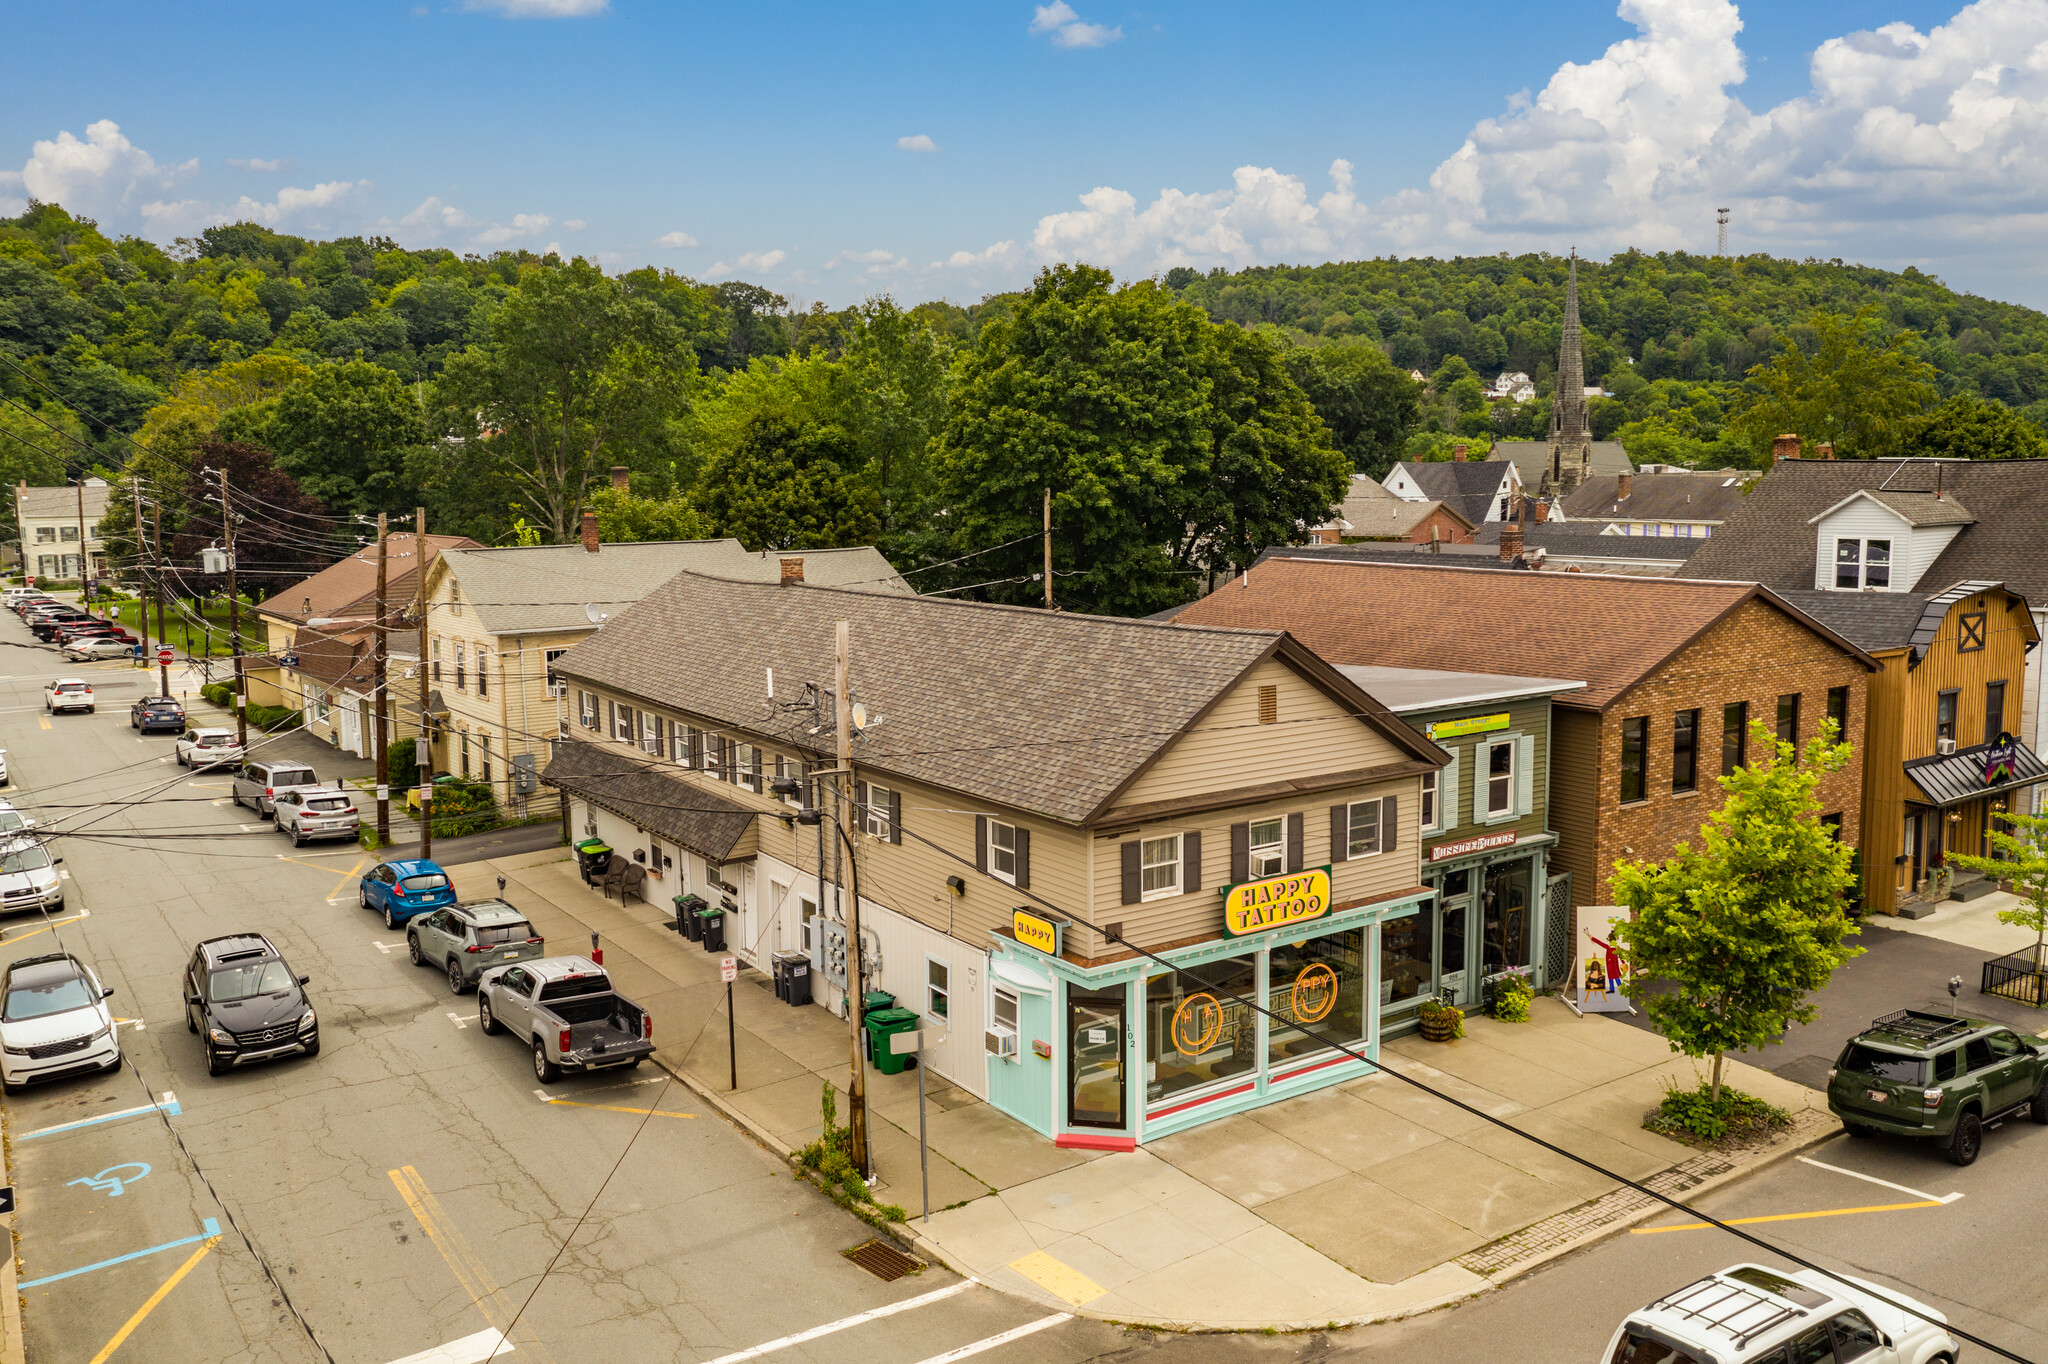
[[1863, 563]]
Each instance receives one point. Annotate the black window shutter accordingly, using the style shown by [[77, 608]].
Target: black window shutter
[[1390, 823], [1134, 889], [756, 783], [1340, 833], [1191, 860], [981, 844], [1023, 858], [1294, 842], [895, 816], [1240, 853]]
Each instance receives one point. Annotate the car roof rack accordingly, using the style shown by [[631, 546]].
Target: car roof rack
[[1923, 1027], [1740, 1311]]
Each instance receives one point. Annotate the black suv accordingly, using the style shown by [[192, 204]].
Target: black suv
[[244, 1000], [157, 712], [1914, 1074]]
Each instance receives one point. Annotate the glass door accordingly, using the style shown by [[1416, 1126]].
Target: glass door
[[1095, 1057], [1454, 901], [1505, 906]]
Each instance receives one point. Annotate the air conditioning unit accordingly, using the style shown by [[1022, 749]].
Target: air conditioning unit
[[1944, 746], [558, 688], [1000, 1042]]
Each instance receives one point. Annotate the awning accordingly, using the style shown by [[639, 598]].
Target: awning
[[612, 777], [1958, 778]]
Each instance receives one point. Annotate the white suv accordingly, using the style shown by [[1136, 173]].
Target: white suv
[[54, 1021], [68, 693], [316, 812], [1751, 1315]]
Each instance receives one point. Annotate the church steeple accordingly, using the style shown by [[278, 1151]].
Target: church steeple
[[1571, 440]]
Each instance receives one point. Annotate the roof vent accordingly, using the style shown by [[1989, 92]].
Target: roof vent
[[1269, 705]]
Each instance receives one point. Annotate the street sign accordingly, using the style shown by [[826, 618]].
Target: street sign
[[163, 655], [907, 1043], [728, 969]]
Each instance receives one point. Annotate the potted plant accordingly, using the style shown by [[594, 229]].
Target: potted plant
[[1511, 1000], [1440, 1021]]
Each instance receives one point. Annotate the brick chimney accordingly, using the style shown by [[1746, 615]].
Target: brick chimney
[[1825, 450], [1624, 484], [1458, 453], [1785, 447], [1542, 511], [792, 571], [621, 477], [590, 540], [1510, 542]]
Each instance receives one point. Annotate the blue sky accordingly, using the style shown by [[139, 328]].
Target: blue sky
[[767, 141]]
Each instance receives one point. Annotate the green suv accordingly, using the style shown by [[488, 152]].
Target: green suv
[[1922, 1075]]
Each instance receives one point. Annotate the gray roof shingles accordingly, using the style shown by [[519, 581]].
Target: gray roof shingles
[[1469, 486], [1532, 457], [1657, 497], [612, 777]]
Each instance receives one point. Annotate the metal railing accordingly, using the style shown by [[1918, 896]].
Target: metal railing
[[2021, 976]]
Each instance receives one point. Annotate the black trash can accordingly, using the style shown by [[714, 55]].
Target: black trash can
[[693, 922], [793, 978], [686, 912], [714, 928], [593, 855]]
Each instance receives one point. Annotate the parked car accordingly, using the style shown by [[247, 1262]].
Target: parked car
[[3, 767], [402, 890], [97, 646], [54, 1021], [463, 941], [68, 693], [566, 1010], [1748, 1312], [44, 625], [1915, 1074], [28, 877], [156, 712], [259, 784], [243, 999], [304, 814], [198, 748], [13, 823]]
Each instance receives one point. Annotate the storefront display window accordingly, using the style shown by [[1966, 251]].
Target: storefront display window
[[1095, 1057], [1406, 954], [1195, 1033], [1316, 991], [1505, 904]]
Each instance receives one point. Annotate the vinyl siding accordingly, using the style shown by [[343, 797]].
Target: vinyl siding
[[1913, 550], [1575, 795], [1531, 718]]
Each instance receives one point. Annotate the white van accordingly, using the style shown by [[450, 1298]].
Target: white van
[[1752, 1315]]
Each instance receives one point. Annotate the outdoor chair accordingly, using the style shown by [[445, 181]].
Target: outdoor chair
[[634, 881], [614, 873]]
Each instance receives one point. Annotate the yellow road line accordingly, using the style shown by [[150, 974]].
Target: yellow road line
[[615, 1108], [67, 919], [463, 1261], [1063, 1281], [1791, 1216], [161, 1293], [347, 876], [43, 720]]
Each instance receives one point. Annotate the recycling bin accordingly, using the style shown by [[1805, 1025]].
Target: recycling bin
[[686, 916], [712, 917], [881, 1025], [874, 1001], [793, 978], [593, 855]]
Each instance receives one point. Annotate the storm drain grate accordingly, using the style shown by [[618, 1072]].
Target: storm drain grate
[[882, 1260]]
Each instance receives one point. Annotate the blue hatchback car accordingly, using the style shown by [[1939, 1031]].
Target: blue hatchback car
[[405, 889]]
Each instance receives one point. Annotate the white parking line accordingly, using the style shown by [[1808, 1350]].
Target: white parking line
[[1002, 1338], [889, 1310], [488, 1344], [461, 1020], [387, 948], [1873, 1179]]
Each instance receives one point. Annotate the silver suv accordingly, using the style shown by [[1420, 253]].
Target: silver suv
[[1748, 1314], [466, 940], [307, 813], [259, 784]]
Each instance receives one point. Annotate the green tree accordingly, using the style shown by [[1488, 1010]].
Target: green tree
[[344, 432], [1369, 404], [1852, 384], [1974, 428], [1173, 447], [2024, 862], [790, 487], [623, 518], [1726, 941], [577, 375], [32, 453]]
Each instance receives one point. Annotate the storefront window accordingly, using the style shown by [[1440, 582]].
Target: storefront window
[[1195, 1033], [1095, 1057], [1505, 904], [1268, 848], [1405, 957], [1316, 990]]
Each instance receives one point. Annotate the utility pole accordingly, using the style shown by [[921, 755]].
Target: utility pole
[[84, 559], [383, 737], [162, 633], [1048, 548], [141, 564], [423, 747], [856, 983], [227, 521]]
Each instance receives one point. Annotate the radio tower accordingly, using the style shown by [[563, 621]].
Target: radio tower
[[1721, 236]]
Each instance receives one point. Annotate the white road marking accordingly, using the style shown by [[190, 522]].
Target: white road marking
[[387, 948], [890, 1309], [461, 1020], [1002, 1338], [474, 1349], [1873, 1179], [65, 875], [253, 828]]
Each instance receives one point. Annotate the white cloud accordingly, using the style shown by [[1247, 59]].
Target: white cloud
[[1068, 29], [762, 261], [575, 225], [675, 241], [318, 208], [877, 261], [257, 163], [522, 225], [432, 213], [540, 9], [918, 143], [102, 173]]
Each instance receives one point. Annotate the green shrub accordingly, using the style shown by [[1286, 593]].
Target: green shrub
[[830, 1157], [220, 693], [405, 771], [271, 719], [1511, 1000], [1695, 1113]]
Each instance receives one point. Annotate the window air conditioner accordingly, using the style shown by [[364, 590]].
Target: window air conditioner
[[558, 688], [1000, 1042], [1944, 746]]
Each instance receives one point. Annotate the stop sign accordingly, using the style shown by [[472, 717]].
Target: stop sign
[[163, 655]]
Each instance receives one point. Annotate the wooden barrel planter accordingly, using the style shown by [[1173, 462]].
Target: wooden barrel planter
[[1440, 1025]]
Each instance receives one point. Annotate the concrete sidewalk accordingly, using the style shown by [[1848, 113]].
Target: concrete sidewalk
[[1369, 1200]]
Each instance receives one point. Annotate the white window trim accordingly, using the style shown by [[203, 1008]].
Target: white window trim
[[874, 821], [989, 853], [650, 733], [945, 991], [1863, 544], [1276, 849], [1432, 799], [1166, 892], [621, 723], [1002, 992], [1502, 816], [1379, 838]]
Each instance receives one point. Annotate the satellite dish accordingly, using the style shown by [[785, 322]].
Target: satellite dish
[[860, 715], [593, 615]]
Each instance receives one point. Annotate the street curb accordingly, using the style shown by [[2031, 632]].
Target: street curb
[[12, 1348]]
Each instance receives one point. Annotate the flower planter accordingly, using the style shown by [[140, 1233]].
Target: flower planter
[[1441, 1025]]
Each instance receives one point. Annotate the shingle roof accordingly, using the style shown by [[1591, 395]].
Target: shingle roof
[[1919, 509], [349, 587], [1768, 539], [57, 504], [1392, 517], [526, 589], [1657, 497], [612, 777], [1532, 457], [343, 659], [1052, 713], [1875, 620], [1413, 615], [1582, 540], [1953, 778], [1470, 486]]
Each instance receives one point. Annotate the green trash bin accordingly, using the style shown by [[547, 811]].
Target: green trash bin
[[881, 1025], [874, 1001]]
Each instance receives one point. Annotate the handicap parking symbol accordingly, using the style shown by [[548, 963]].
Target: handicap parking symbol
[[113, 1181]]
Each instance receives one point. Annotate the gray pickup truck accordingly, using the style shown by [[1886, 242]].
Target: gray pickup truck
[[566, 1010]]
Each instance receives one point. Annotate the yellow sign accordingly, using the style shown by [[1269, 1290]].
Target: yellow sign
[[1471, 724], [1254, 906], [1197, 1023], [1033, 931], [1314, 993]]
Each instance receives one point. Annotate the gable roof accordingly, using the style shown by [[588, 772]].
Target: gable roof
[[1392, 518], [1657, 497], [348, 587], [1468, 485], [1770, 540], [59, 504], [529, 589], [1902, 620], [1487, 620], [1047, 712], [343, 659], [1532, 457], [1915, 509]]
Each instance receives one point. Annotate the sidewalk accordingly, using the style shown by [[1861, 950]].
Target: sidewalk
[[1365, 1201], [1970, 923]]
